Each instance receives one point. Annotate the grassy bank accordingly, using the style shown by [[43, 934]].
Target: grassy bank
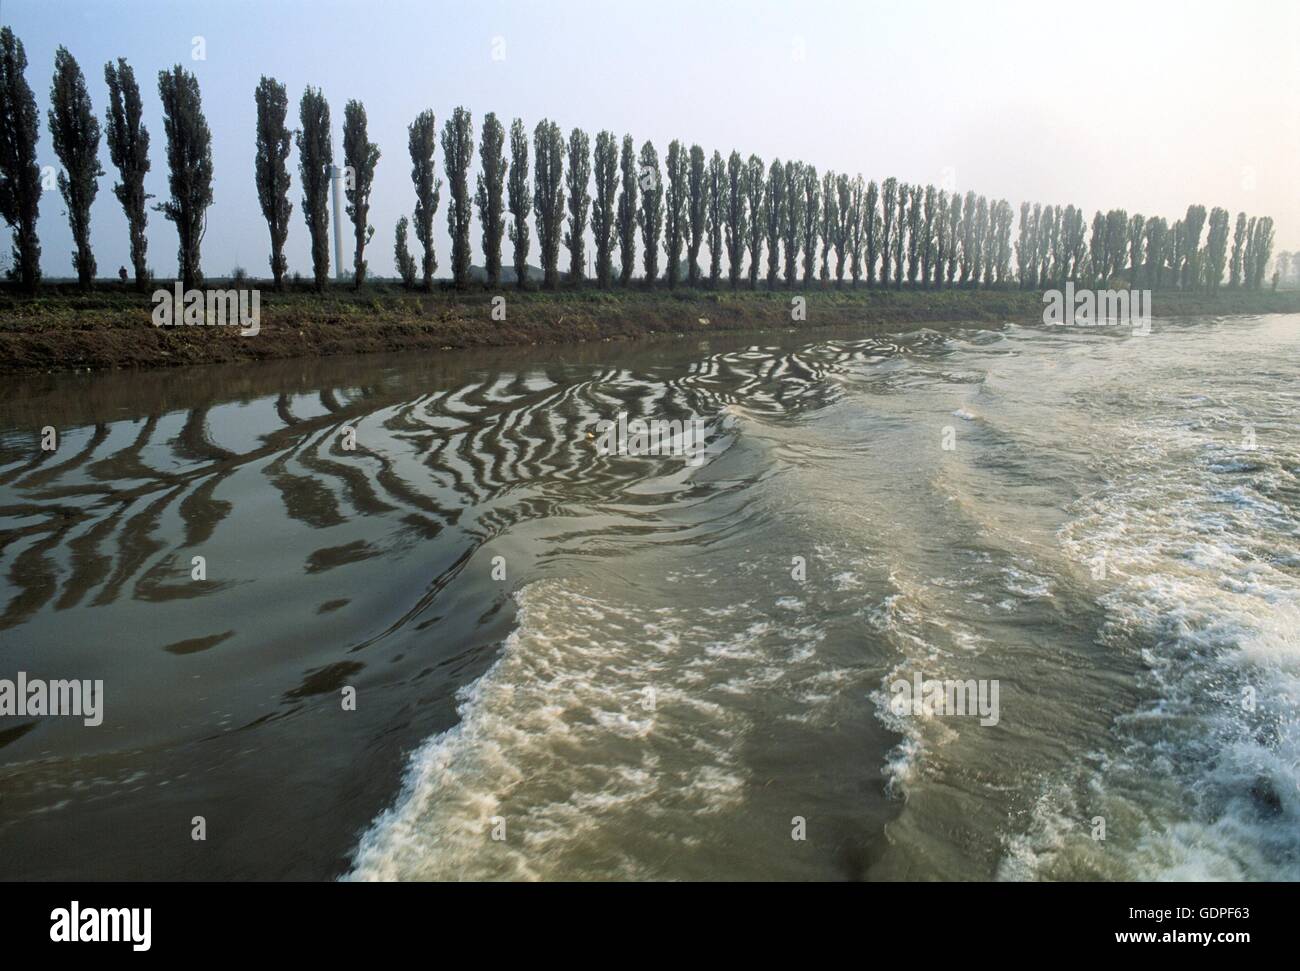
[[111, 326]]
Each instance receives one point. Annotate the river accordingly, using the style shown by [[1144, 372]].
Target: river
[[435, 633]]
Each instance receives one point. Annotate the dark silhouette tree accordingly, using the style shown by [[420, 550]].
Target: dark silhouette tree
[[900, 235], [604, 213], [755, 194], [846, 219], [716, 213], [402, 257], [697, 206], [1193, 223], [1238, 252], [457, 154], [422, 143], [627, 211], [675, 208], [521, 200], [792, 222], [270, 164], [189, 162], [20, 176], [548, 196], [873, 228], [954, 237], [737, 216], [830, 222], [579, 178], [651, 217], [774, 216], [888, 207], [811, 221], [128, 147], [75, 131], [915, 231], [315, 160], [1136, 235], [360, 156], [489, 195], [1216, 248]]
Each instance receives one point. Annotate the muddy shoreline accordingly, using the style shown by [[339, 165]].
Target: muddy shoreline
[[111, 327]]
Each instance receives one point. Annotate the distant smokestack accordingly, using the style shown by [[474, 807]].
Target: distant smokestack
[[336, 180]]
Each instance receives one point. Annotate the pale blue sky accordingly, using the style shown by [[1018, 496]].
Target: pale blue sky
[[1147, 106]]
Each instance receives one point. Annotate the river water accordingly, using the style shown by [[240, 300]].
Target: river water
[[439, 635]]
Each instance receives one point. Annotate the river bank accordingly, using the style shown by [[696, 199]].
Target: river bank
[[111, 326]]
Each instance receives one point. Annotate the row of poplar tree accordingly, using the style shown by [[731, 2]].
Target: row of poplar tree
[[792, 225]]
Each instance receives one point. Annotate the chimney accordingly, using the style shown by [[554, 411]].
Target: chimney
[[336, 180]]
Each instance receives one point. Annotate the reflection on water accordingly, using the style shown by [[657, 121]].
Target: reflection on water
[[637, 668]]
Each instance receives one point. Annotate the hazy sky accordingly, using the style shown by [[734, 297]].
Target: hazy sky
[[1148, 106]]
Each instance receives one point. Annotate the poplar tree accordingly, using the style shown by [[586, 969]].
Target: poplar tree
[[855, 234], [315, 160], [915, 233], [697, 212], [1026, 247], [873, 229], [128, 147], [1136, 234], [755, 191], [1097, 249], [360, 156], [954, 237], [521, 200], [489, 195], [900, 235], [811, 221], [716, 216], [942, 241], [1193, 223], [1216, 248], [737, 216], [1238, 251], [651, 217], [189, 161], [981, 239], [888, 200], [930, 199], [969, 243], [675, 212], [579, 178], [627, 211], [830, 221], [75, 131], [846, 219], [422, 143], [603, 207], [774, 212], [457, 153], [270, 164], [20, 176], [402, 258], [1046, 227], [1156, 231], [792, 220], [548, 196]]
